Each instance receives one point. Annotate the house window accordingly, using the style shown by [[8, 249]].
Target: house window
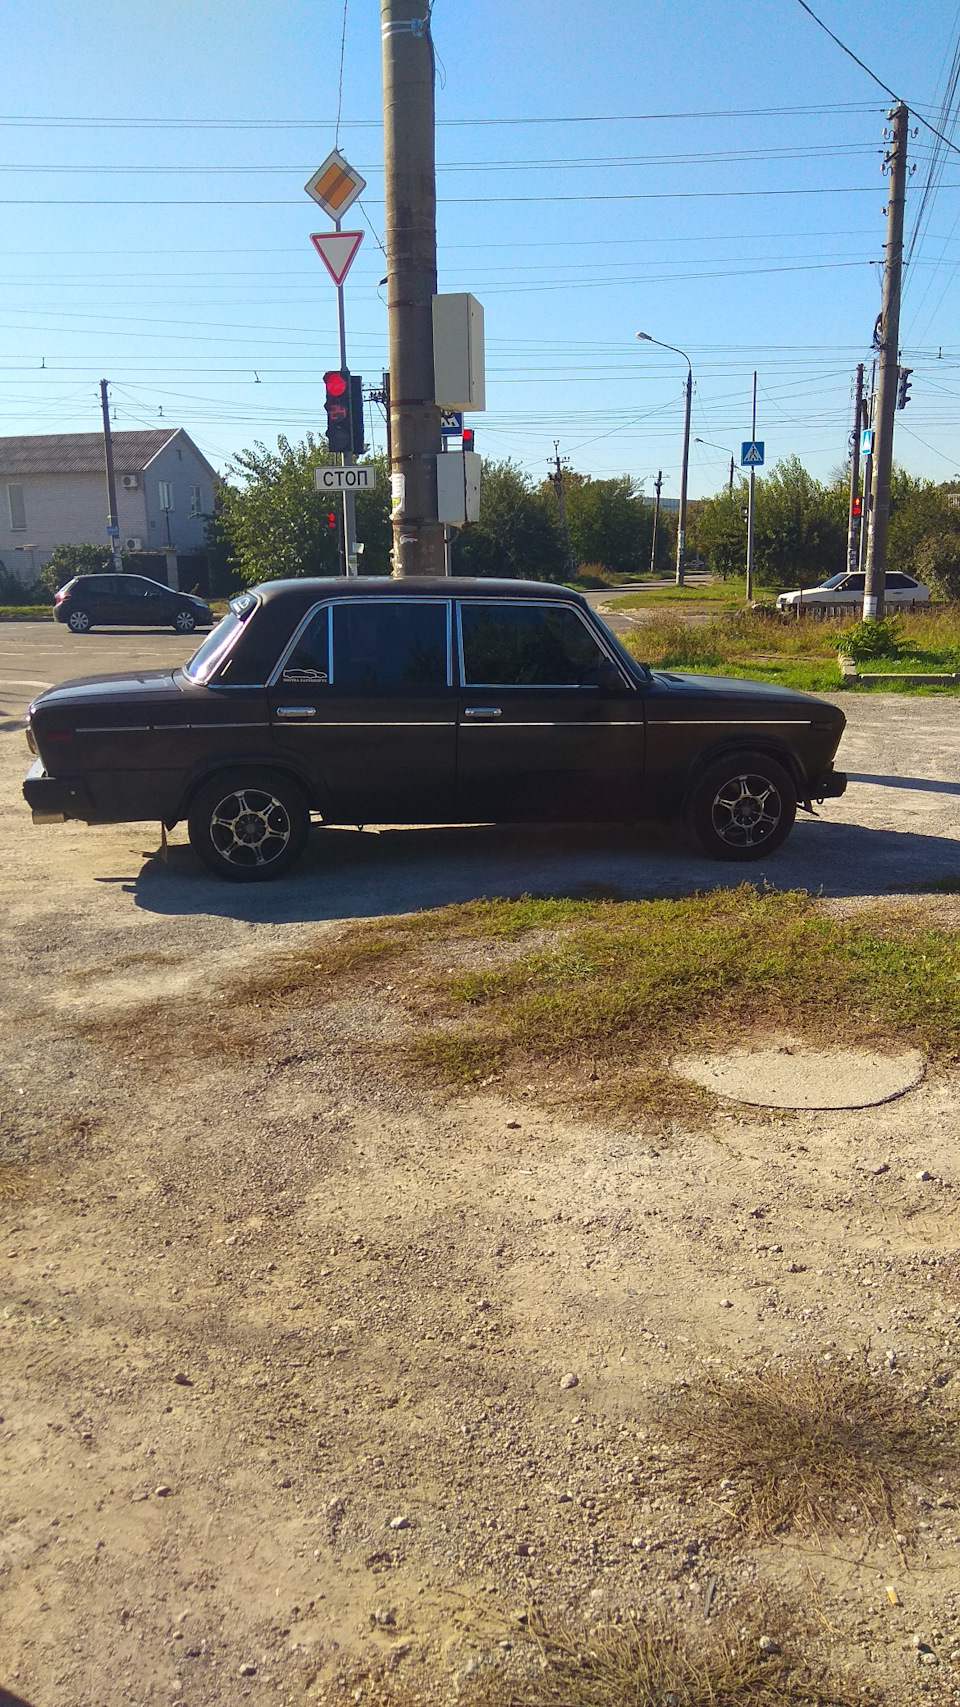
[[18, 513], [166, 495], [196, 507]]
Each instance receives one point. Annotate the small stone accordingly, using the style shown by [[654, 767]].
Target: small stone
[[880, 1168], [927, 1658], [248, 1671], [523, 1549], [767, 1645], [399, 1523], [513, 1125], [796, 1268], [726, 1303], [568, 1381], [916, 1641], [891, 1359], [924, 1174], [285, 1482], [182, 1380], [384, 1617], [162, 1491]]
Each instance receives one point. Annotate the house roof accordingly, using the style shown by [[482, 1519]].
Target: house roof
[[82, 453]]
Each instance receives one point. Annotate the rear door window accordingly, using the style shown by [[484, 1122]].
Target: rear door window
[[523, 644], [396, 645]]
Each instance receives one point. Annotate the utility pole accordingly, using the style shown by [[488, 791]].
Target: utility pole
[[113, 527], [656, 517], [682, 513], [557, 482], [347, 457], [887, 369], [854, 520], [753, 476], [411, 235], [869, 415]]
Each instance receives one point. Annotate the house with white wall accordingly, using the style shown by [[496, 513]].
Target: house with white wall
[[53, 491]]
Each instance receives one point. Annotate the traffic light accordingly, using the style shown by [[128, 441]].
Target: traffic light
[[344, 406], [331, 521], [337, 405], [903, 390], [468, 438], [856, 506]]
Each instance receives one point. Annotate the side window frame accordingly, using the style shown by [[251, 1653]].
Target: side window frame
[[276, 679], [534, 687]]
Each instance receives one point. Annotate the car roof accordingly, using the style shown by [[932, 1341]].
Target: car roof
[[412, 586]]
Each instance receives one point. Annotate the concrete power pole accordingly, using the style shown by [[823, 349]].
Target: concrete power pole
[[113, 527], [855, 521], [411, 222], [887, 366], [557, 482], [656, 518]]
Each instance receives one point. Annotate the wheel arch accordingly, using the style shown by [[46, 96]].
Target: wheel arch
[[771, 745], [313, 788]]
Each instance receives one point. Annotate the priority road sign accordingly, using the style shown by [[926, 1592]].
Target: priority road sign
[[335, 185], [337, 250], [353, 478], [751, 453], [451, 422]]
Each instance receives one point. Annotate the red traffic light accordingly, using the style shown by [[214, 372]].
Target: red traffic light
[[336, 383], [332, 520], [468, 438], [857, 505]]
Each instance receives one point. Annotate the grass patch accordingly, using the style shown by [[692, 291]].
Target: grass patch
[[812, 1446], [763, 646], [587, 1000], [751, 1657], [26, 613]]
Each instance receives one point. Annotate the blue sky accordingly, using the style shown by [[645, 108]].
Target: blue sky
[[707, 173]]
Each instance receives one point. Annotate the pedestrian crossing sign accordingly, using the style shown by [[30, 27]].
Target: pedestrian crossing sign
[[751, 454]]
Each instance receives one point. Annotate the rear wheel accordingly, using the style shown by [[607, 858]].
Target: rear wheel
[[743, 807], [79, 622], [249, 825], [184, 622]]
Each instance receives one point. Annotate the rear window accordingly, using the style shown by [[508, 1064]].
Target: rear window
[[215, 648]]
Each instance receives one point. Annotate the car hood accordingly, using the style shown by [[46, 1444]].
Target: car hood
[[738, 687], [89, 690]]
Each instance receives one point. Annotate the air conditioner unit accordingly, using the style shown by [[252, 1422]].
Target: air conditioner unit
[[130, 482], [133, 545]]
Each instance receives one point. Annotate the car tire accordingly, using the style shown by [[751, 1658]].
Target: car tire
[[184, 622], [249, 826], [79, 622], [742, 808]]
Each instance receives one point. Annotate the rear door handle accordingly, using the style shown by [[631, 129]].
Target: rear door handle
[[482, 711], [296, 711]]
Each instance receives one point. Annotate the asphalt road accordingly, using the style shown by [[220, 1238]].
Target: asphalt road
[[897, 828]]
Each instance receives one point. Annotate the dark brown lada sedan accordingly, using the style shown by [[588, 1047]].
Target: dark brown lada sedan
[[423, 702]]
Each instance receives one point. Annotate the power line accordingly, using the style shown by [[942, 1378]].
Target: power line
[[85, 122]]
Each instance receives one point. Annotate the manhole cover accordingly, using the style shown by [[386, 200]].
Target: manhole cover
[[794, 1075]]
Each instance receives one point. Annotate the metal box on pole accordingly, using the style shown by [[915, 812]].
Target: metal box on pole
[[458, 487], [458, 356]]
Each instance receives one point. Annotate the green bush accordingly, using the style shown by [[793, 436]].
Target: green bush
[[65, 561], [866, 640], [937, 560]]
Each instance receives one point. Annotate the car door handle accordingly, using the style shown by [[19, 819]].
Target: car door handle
[[482, 711], [296, 711]]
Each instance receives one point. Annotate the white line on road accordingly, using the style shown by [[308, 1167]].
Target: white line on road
[[22, 682]]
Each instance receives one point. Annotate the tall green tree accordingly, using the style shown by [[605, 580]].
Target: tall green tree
[[517, 534], [276, 521], [609, 523], [800, 528], [920, 512]]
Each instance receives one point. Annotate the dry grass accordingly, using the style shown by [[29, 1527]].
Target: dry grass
[[813, 1445], [585, 999]]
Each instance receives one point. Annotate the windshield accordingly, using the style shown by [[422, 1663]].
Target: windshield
[[211, 654], [834, 581]]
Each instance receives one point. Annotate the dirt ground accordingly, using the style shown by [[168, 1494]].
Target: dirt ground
[[286, 1352]]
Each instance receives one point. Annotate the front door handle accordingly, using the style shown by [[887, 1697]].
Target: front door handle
[[482, 711], [296, 711]]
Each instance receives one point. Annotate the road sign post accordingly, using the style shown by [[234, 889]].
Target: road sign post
[[335, 186], [751, 456]]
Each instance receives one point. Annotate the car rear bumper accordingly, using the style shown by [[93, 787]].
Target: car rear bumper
[[53, 799]]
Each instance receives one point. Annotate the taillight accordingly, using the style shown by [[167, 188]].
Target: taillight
[[60, 595]]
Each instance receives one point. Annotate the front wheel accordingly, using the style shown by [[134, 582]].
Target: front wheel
[[79, 622], [742, 808], [184, 622], [249, 825]]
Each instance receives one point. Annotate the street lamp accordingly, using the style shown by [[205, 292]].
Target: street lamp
[[726, 452], [682, 514]]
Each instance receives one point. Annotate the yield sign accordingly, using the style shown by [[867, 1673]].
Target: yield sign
[[336, 250]]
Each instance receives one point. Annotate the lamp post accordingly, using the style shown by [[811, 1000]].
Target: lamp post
[[682, 514], [726, 452]]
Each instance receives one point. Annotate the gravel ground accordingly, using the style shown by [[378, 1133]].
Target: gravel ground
[[288, 1352]]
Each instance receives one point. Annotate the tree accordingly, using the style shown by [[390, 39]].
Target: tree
[[799, 533], [717, 530], [936, 561], [920, 511], [517, 535], [275, 520], [65, 561], [609, 523]]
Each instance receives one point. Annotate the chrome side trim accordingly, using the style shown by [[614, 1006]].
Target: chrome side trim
[[732, 722]]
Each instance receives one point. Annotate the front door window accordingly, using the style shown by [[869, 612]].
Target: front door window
[[527, 645]]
